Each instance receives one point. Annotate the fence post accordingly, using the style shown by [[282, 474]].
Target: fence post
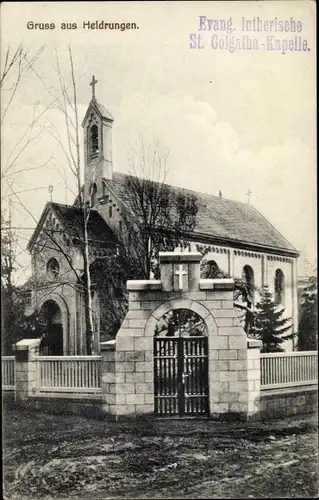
[[108, 376], [25, 368], [253, 374]]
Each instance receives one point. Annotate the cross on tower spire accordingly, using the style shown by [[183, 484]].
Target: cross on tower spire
[[93, 83], [50, 189]]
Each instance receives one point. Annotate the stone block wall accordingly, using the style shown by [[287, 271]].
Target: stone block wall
[[253, 375], [288, 402], [231, 388], [108, 380], [134, 359]]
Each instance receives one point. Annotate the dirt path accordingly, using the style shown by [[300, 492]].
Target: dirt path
[[47, 456]]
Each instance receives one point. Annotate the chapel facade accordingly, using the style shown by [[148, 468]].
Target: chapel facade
[[241, 243]]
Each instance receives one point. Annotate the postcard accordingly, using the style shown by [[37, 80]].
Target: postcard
[[158, 261]]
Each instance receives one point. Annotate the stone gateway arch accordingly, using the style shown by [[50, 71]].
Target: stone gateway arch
[[181, 350]]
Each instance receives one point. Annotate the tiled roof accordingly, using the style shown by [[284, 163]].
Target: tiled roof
[[103, 111], [221, 218], [100, 109], [71, 219]]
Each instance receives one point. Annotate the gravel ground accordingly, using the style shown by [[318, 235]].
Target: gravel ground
[[59, 456]]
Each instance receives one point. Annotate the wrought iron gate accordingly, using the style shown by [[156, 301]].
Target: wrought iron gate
[[181, 376]]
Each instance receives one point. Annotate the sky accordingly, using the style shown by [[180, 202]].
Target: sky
[[231, 121]]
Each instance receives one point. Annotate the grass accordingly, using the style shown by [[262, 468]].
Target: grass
[[59, 456]]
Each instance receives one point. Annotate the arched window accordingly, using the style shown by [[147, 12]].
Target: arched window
[[93, 195], [53, 268], [248, 277], [94, 140], [210, 270], [279, 287]]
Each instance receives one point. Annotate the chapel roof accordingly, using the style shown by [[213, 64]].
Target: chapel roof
[[103, 111], [219, 218], [70, 217]]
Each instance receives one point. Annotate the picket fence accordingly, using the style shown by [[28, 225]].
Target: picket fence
[[7, 373], [288, 369], [68, 374], [82, 374]]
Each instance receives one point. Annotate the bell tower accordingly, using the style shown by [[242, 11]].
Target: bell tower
[[97, 126]]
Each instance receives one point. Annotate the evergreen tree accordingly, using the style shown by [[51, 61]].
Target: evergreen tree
[[269, 326], [308, 327]]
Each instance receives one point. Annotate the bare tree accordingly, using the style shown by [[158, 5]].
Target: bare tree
[[67, 242], [68, 104], [8, 241], [155, 217], [12, 296], [16, 63], [159, 217]]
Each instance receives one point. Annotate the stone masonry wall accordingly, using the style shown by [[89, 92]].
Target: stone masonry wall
[[25, 369], [233, 373], [287, 402]]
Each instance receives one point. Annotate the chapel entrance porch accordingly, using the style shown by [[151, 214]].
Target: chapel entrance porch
[[51, 322]]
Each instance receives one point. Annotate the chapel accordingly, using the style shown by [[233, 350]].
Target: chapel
[[241, 243]]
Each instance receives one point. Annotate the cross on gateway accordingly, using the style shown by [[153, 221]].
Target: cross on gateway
[[93, 83], [180, 273]]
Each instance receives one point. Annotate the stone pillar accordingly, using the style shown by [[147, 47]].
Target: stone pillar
[[253, 375], [108, 376], [25, 368], [231, 262], [266, 270], [134, 352], [180, 271], [227, 351], [263, 281]]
